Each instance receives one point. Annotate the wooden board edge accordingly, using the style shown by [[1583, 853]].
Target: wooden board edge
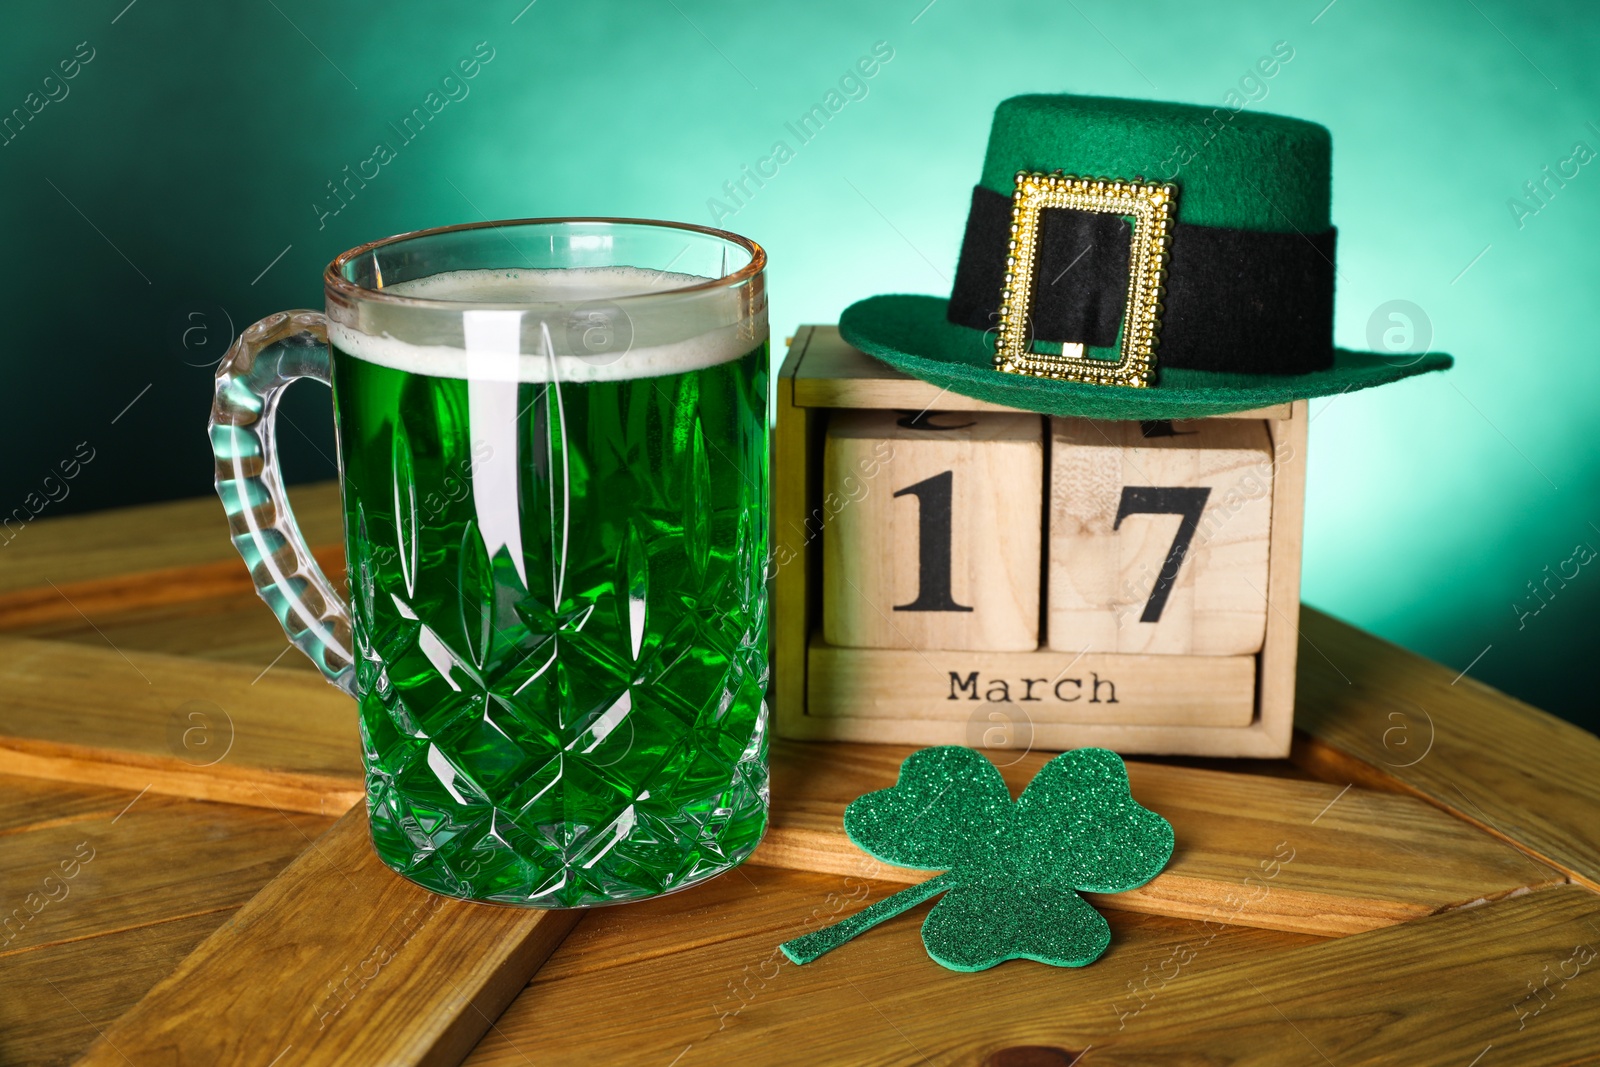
[[896, 390], [1172, 895], [1330, 763], [479, 1012], [314, 794], [916, 395], [791, 477], [1275, 679]]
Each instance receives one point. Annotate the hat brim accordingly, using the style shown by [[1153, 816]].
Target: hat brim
[[911, 334]]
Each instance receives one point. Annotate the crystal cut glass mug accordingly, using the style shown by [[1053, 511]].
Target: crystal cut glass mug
[[553, 461]]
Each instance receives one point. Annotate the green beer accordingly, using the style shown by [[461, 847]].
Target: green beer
[[557, 595]]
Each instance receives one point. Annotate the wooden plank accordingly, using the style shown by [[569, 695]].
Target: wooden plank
[[704, 982], [157, 859], [934, 532], [342, 961], [744, 901], [155, 554], [837, 375], [1116, 515], [55, 1001], [180, 726], [1377, 714], [31, 804], [1361, 859], [233, 627], [75, 604], [980, 689], [1441, 990]]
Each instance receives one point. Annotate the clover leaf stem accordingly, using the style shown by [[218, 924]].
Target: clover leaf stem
[[807, 948]]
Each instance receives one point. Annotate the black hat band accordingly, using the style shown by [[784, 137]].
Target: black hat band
[[1242, 301]]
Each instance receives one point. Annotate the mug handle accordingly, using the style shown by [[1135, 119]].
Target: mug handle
[[251, 378]]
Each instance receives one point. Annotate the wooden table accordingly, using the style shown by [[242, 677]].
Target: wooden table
[[185, 877]]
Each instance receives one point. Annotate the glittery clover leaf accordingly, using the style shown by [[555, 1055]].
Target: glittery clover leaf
[[1012, 870]]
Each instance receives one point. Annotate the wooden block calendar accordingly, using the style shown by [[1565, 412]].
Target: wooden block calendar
[[950, 571]]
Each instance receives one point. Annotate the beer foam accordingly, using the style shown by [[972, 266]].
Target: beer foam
[[494, 361]]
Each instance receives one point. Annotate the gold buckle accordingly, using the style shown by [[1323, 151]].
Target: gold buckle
[[1151, 208]]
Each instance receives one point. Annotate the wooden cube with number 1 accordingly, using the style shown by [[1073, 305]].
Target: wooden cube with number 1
[[939, 546]]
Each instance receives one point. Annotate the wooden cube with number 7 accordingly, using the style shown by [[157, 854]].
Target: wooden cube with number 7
[[932, 529], [1158, 536]]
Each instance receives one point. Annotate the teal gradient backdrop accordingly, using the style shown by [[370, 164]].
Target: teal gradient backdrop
[[177, 188]]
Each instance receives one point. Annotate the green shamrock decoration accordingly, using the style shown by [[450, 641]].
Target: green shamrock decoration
[[1012, 869]]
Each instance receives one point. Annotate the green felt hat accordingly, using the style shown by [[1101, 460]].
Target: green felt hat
[[1128, 259]]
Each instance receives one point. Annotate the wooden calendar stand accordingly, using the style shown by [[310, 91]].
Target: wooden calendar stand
[[1048, 637]]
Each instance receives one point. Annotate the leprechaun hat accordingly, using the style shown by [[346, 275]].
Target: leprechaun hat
[[1128, 259]]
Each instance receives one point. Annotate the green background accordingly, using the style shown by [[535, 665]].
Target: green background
[[144, 215]]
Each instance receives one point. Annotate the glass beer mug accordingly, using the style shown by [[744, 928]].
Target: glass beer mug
[[553, 459]]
